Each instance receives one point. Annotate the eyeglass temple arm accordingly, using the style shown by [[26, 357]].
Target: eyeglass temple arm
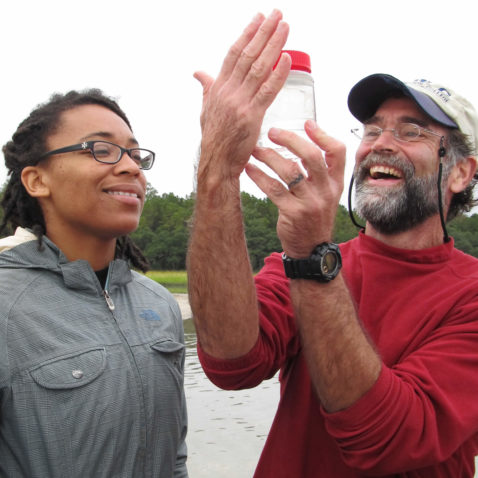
[[441, 154]]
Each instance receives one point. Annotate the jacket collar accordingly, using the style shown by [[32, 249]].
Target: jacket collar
[[76, 274]]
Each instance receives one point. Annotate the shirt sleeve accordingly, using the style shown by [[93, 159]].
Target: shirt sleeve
[[421, 410], [278, 339]]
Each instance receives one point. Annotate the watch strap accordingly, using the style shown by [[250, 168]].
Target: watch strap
[[314, 267]]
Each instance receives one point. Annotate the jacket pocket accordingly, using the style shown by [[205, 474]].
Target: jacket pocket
[[171, 351], [70, 371], [168, 346]]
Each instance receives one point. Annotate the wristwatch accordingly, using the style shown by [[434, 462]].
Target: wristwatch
[[322, 265]]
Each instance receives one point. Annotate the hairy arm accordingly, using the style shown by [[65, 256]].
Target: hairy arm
[[342, 362], [221, 288]]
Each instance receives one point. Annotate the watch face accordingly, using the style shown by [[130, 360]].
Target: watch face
[[323, 265], [329, 262]]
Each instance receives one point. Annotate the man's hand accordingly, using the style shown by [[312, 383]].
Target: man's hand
[[235, 103], [221, 286], [308, 206]]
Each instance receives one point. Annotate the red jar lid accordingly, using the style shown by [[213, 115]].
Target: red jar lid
[[300, 60]]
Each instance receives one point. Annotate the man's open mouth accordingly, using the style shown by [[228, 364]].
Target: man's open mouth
[[384, 172]]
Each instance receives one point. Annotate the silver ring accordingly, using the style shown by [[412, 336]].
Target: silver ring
[[296, 181]]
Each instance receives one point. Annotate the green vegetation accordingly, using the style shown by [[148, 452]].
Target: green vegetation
[[165, 224], [163, 230], [464, 229], [175, 281]]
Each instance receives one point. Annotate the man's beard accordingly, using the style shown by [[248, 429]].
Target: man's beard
[[397, 208]]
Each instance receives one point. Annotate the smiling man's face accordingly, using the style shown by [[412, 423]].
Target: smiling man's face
[[396, 181]]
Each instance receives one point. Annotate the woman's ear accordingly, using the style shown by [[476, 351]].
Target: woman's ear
[[461, 174], [33, 180]]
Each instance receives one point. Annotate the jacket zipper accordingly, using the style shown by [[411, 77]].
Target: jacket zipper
[[109, 300], [111, 306]]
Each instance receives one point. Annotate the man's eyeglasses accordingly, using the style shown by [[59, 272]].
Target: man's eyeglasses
[[407, 132], [109, 153]]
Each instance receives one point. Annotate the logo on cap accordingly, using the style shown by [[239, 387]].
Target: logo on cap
[[441, 92]]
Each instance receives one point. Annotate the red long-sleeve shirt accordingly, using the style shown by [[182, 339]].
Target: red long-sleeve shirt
[[420, 419]]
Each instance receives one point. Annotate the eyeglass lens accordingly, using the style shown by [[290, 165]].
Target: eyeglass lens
[[403, 132], [111, 153]]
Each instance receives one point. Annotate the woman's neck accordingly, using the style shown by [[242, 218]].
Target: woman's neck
[[99, 252]]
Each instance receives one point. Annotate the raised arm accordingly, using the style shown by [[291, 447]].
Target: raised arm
[[221, 288], [342, 362]]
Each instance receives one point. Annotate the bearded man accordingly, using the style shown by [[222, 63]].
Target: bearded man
[[376, 339]]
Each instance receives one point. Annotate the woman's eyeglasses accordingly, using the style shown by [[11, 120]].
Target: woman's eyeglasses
[[109, 153]]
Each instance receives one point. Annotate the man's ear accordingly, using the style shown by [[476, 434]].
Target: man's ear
[[461, 174], [33, 180]]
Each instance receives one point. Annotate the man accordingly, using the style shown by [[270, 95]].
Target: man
[[378, 358]]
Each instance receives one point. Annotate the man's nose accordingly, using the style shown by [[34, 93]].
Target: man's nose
[[385, 142]]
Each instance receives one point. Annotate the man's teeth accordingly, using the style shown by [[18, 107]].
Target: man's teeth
[[379, 171], [123, 193]]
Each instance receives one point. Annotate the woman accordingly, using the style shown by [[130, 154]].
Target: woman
[[91, 353]]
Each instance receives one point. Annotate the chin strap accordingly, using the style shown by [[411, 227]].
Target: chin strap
[[351, 213], [441, 154]]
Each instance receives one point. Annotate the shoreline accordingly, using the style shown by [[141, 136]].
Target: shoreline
[[183, 303]]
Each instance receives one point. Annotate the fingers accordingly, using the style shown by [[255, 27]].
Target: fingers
[[234, 104], [288, 171], [262, 83], [249, 62], [322, 161], [236, 49], [205, 80], [272, 188], [254, 48], [234, 53], [334, 151]]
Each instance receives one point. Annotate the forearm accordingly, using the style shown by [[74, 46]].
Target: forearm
[[221, 288], [343, 363]]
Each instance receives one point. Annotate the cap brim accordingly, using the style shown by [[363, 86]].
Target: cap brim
[[369, 93]]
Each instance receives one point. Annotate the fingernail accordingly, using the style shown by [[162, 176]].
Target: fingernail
[[282, 26], [275, 13]]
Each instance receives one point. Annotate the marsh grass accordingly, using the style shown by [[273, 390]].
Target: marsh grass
[[175, 281]]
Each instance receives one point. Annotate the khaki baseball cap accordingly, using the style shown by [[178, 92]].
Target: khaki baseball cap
[[440, 103]]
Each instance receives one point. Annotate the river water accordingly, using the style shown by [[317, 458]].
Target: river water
[[227, 429]]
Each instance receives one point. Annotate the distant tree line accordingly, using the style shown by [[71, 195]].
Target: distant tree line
[[165, 224]]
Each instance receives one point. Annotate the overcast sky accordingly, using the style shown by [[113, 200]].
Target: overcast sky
[[144, 53]]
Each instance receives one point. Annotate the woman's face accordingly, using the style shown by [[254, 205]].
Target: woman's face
[[84, 198]]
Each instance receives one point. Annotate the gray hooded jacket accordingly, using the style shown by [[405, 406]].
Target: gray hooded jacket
[[91, 381]]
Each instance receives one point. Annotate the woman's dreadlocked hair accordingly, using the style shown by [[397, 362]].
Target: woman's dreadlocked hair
[[25, 148]]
